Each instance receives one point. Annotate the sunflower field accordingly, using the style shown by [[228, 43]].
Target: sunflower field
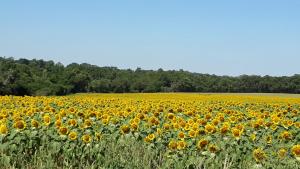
[[150, 131]]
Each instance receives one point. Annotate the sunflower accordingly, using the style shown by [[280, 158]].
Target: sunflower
[[296, 150], [172, 145], [192, 133], [170, 116], [275, 119], [88, 123], [201, 122], [20, 125], [34, 123], [259, 155], [47, 120], [202, 144], [297, 125], [3, 129], [141, 116], [282, 153], [181, 145], [63, 130], [98, 136], [134, 126], [105, 121], [182, 124], [208, 116], [125, 129], [153, 121], [167, 126], [224, 129], [72, 135], [209, 128], [58, 123], [212, 148], [72, 122], [86, 138], [236, 133], [286, 135], [215, 121], [181, 135], [149, 138]]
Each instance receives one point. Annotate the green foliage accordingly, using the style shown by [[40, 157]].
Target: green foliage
[[38, 77]]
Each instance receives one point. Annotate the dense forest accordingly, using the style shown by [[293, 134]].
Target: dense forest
[[39, 77]]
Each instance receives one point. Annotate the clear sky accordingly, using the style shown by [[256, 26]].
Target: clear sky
[[224, 37]]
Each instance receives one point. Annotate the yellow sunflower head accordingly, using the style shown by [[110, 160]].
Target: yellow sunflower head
[[282, 153], [3, 129], [202, 144], [125, 129], [172, 145], [259, 155], [63, 130], [47, 120], [72, 135], [181, 145], [296, 150], [20, 125], [34, 123], [86, 138]]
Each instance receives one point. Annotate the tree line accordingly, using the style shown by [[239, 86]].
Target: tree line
[[39, 77]]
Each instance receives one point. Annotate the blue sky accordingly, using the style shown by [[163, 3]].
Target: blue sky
[[229, 37]]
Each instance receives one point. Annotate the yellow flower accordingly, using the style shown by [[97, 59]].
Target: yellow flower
[[181, 135], [212, 148], [86, 138], [171, 116], [20, 124], [98, 136], [73, 135], [34, 123], [172, 145], [192, 133], [181, 145], [63, 130], [296, 150], [153, 121], [176, 126], [105, 121], [286, 135], [47, 120], [209, 128], [202, 144], [259, 155], [224, 129], [297, 125], [88, 123], [236, 133], [134, 126], [58, 123], [125, 129], [282, 153], [72, 122], [3, 129], [149, 138]]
